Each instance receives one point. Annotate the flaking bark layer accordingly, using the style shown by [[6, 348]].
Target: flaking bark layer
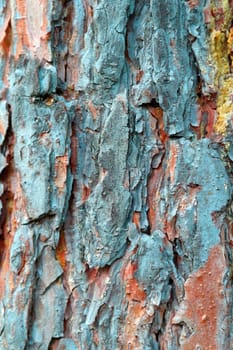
[[115, 175]]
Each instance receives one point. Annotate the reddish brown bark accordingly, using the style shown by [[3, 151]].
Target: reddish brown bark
[[116, 180]]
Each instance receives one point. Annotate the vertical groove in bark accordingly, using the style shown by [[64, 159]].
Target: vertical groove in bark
[[116, 181]]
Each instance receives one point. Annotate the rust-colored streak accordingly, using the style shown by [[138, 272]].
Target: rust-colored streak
[[89, 14], [31, 28], [61, 164], [44, 25], [89, 11], [157, 175], [92, 274], [5, 239], [170, 229], [218, 15], [86, 191], [157, 113], [139, 76], [134, 291], [203, 307], [174, 150], [93, 109], [5, 25], [101, 282], [136, 219], [136, 313], [186, 198], [193, 3], [54, 344], [154, 184], [14, 206], [71, 37], [44, 139], [21, 27], [61, 250], [207, 14], [206, 117], [6, 36], [7, 39], [98, 279]]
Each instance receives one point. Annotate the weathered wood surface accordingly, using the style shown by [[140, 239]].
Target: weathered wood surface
[[116, 174]]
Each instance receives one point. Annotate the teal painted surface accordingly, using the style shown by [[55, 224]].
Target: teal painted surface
[[114, 194]]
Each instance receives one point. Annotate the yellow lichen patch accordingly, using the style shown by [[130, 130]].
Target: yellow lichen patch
[[219, 28], [224, 105], [221, 14], [221, 54]]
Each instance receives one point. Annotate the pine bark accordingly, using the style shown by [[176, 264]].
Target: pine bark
[[116, 174]]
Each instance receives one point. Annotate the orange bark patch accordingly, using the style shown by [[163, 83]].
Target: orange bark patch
[[102, 282], [154, 183], [2, 129], [170, 229], [136, 219], [14, 207], [21, 27], [6, 36], [12, 204], [203, 309], [61, 164], [157, 175], [93, 109], [157, 113], [139, 76], [3, 28], [31, 28], [89, 11], [61, 250], [43, 50], [85, 193], [5, 240], [89, 16], [44, 24], [136, 312], [174, 149], [206, 117], [92, 274], [134, 292]]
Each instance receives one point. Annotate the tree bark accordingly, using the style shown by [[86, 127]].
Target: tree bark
[[116, 174]]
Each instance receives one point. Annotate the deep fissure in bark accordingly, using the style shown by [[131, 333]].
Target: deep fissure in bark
[[116, 157]]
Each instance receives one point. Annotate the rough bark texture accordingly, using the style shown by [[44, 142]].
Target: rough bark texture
[[116, 180]]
